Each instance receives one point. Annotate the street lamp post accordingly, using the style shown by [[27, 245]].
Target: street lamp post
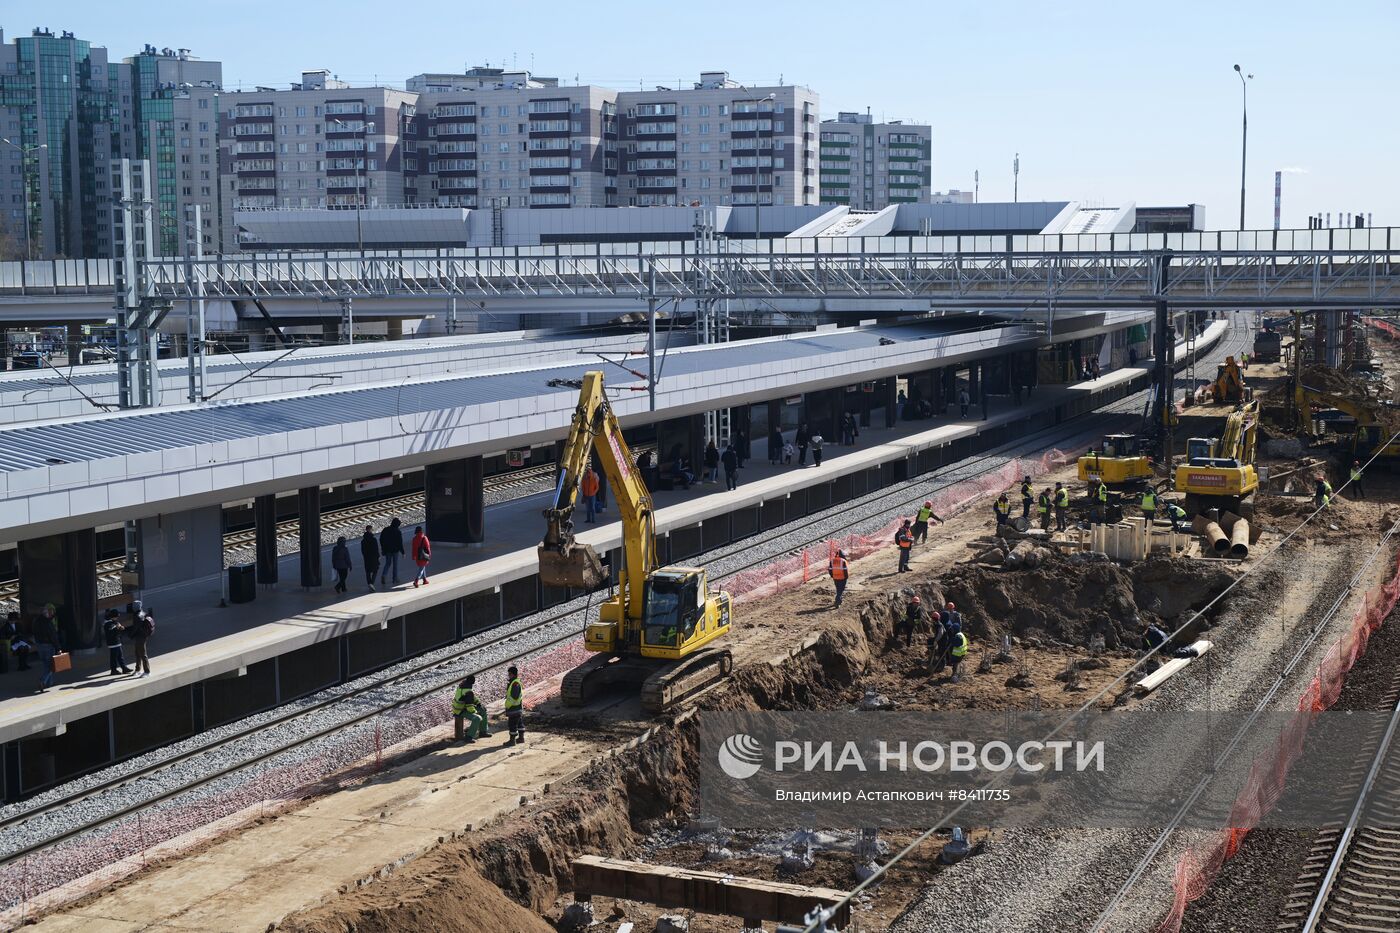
[[1244, 132], [24, 152]]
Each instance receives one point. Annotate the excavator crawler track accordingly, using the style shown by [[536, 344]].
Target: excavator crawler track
[[678, 680]]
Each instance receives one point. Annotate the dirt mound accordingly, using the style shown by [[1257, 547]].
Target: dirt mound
[[449, 893], [1069, 602]]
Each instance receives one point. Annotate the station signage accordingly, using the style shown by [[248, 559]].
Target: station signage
[[374, 482]]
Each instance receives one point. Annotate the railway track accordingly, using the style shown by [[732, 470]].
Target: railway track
[[443, 671], [1350, 880]]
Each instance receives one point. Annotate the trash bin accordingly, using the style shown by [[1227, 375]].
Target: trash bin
[[242, 583]]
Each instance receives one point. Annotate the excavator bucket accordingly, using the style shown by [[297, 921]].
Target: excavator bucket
[[574, 565]]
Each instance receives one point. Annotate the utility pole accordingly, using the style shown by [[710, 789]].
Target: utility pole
[[1016, 179], [1244, 133], [194, 309], [976, 185]]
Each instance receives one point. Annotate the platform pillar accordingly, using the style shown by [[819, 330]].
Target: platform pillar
[[180, 546], [309, 534], [394, 328], [454, 494], [891, 394], [265, 537], [62, 569]]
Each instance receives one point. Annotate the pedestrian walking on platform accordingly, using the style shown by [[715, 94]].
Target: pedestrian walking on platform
[[20, 646], [340, 563], [112, 635], [816, 442], [849, 429], [963, 400], [803, 437], [904, 540], [775, 447], [730, 459], [422, 555], [369, 553], [515, 706], [46, 644], [391, 546], [840, 569], [468, 713], [711, 463], [1061, 507], [588, 486]]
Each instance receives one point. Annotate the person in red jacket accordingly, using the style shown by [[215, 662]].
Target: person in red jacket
[[422, 552]]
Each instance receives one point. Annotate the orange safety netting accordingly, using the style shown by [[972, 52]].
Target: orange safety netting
[[810, 562], [1385, 327], [1198, 866]]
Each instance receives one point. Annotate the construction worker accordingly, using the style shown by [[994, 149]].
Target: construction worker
[[1043, 506], [1101, 503], [1149, 505], [957, 652], [913, 619], [904, 538], [1177, 515], [1322, 492], [1002, 507], [921, 519], [840, 569], [1027, 498], [589, 487], [515, 706], [1356, 480], [1061, 506], [467, 715]]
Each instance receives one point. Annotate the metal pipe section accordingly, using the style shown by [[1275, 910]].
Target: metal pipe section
[[1219, 543], [1239, 539]]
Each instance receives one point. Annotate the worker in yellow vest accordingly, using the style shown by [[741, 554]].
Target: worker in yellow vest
[[921, 520], [1002, 507], [1101, 503], [515, 706], [1061, 507], [1149, 505], [1356, 489], [1043, 506], [840, 569], [468, 714], [1027, 498]]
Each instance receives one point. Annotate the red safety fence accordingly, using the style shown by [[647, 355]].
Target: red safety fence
[[1385, 327], [69, 870], [810, 562], [1198, 867]]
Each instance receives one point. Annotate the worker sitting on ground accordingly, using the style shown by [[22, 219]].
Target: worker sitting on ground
[[1149, 505], [1043, 506], [468, 716], [1156, 639], [1061, 507], [1002, 507]]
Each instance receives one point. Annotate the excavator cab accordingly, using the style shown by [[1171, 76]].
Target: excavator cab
[[1120, 460], [1229, 386], [674, 607]]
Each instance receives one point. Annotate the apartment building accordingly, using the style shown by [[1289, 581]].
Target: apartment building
[[58, 123], [318, 143], [169, 106], [719, 142], [869, 166], [491, 137]]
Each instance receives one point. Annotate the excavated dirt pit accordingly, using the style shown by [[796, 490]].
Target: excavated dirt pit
[[639, 803]]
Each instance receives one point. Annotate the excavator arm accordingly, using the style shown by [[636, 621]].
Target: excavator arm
[[567, 562]]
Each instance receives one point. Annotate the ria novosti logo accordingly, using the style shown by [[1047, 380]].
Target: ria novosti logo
[[740, 756]]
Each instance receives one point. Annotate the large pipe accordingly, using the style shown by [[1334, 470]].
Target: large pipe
[[1239, 539], [1218, 542]]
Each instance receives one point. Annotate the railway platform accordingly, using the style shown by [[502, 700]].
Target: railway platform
[[211, 664]]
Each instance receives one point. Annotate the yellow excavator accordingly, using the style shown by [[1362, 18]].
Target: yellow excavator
[[1121, 461], [656, 633], [1372, 433], [1229, 385], [1219, 472]]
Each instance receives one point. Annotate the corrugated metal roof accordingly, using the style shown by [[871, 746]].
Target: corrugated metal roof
[[41, 445]]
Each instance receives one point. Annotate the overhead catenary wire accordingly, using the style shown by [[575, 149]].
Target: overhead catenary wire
[[924, 836]]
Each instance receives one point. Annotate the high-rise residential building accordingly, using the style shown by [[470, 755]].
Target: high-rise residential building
[[719, 142], [318, 143], [869, 166], [492, 137], [169, 105], [58, 118]]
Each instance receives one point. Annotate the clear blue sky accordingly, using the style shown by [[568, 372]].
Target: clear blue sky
[[1105, 101]]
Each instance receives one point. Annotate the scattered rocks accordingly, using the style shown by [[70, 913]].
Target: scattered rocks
[[875, 701], [577, 916], [672, 923]]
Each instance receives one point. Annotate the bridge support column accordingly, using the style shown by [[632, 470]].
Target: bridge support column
[[309, 534], [180, 546], [265, 537], [75, 343], [394, 328], [455, 498], [62, 569]]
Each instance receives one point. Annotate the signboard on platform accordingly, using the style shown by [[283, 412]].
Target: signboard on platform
[[374, 482], [519, 457]]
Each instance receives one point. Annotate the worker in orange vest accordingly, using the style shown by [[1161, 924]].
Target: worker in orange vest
[[840, 569], [589, 488], [905, 539]]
